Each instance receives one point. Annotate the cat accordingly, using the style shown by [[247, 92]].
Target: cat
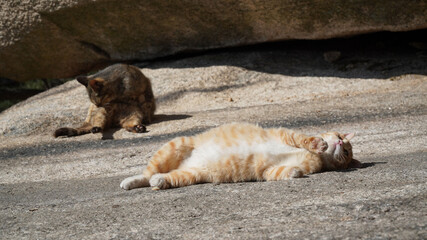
[[243, 152], [121, 96]]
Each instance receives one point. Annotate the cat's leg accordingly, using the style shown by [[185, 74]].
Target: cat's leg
[[166, 159], [70, 132], [148, 109], [133, 121], [92, 108], [313, 144], [176, 178], [137, 181], [85, 128], [275, 173], [169, 156], [312, 163], [99, 120], [147, 104]]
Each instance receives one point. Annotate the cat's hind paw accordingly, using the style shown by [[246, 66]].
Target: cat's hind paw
[[158, 181], [137, 129], [134, 182], [140, 128], [96, 130]]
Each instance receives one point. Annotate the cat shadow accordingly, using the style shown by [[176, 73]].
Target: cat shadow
[[172, 117], [371, 164], [109, 133], [364, 165]]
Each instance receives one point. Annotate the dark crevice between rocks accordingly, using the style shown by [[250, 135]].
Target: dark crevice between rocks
[[374, 55]]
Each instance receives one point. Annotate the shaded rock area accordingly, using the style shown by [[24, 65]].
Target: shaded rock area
[[69, 187], [60, 39]]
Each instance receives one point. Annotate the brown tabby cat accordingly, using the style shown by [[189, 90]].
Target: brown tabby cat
[[121, 96], [243, 152]]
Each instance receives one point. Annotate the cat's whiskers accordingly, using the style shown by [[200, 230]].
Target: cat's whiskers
[[342, 157]]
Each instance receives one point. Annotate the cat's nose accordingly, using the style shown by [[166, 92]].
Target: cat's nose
[[340, 142]]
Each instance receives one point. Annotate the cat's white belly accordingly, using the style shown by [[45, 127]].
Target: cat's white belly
[[275, 152]]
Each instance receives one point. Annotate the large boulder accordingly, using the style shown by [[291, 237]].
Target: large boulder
[[59, 39], [68, 188]]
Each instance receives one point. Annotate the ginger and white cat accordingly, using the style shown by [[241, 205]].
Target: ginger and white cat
[[243, 152]]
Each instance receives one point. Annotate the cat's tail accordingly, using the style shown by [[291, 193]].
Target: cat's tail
[[70, 132], [170, 156]]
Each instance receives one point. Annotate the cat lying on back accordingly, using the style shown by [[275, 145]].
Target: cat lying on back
[[121, 96], [243, 152]]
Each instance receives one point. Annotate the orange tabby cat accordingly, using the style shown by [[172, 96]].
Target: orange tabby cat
[[243, 152]]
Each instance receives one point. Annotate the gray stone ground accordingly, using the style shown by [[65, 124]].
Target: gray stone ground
[[69, 187]]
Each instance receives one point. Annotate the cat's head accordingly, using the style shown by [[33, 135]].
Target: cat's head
[[100, 90], [339, 154]]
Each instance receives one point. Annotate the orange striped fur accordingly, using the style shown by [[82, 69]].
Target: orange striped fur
[[243, 152]]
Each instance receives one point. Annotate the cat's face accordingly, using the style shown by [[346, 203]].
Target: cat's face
[[339, 150], [99, 90]]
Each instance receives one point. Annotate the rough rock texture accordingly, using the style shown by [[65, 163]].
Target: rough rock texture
[[58, 39], [69, 187]]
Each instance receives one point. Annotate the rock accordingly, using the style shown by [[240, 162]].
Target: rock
[[56, 187], [205, 83], [60, 39]]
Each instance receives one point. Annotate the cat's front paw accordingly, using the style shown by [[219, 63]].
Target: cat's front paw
[[318, 145], [139, 128], [127, 183], [96, 130], [134, 182], [157, 181]]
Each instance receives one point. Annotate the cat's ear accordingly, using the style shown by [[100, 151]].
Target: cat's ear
[[82, 80], [96, 84], [349, 136]]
